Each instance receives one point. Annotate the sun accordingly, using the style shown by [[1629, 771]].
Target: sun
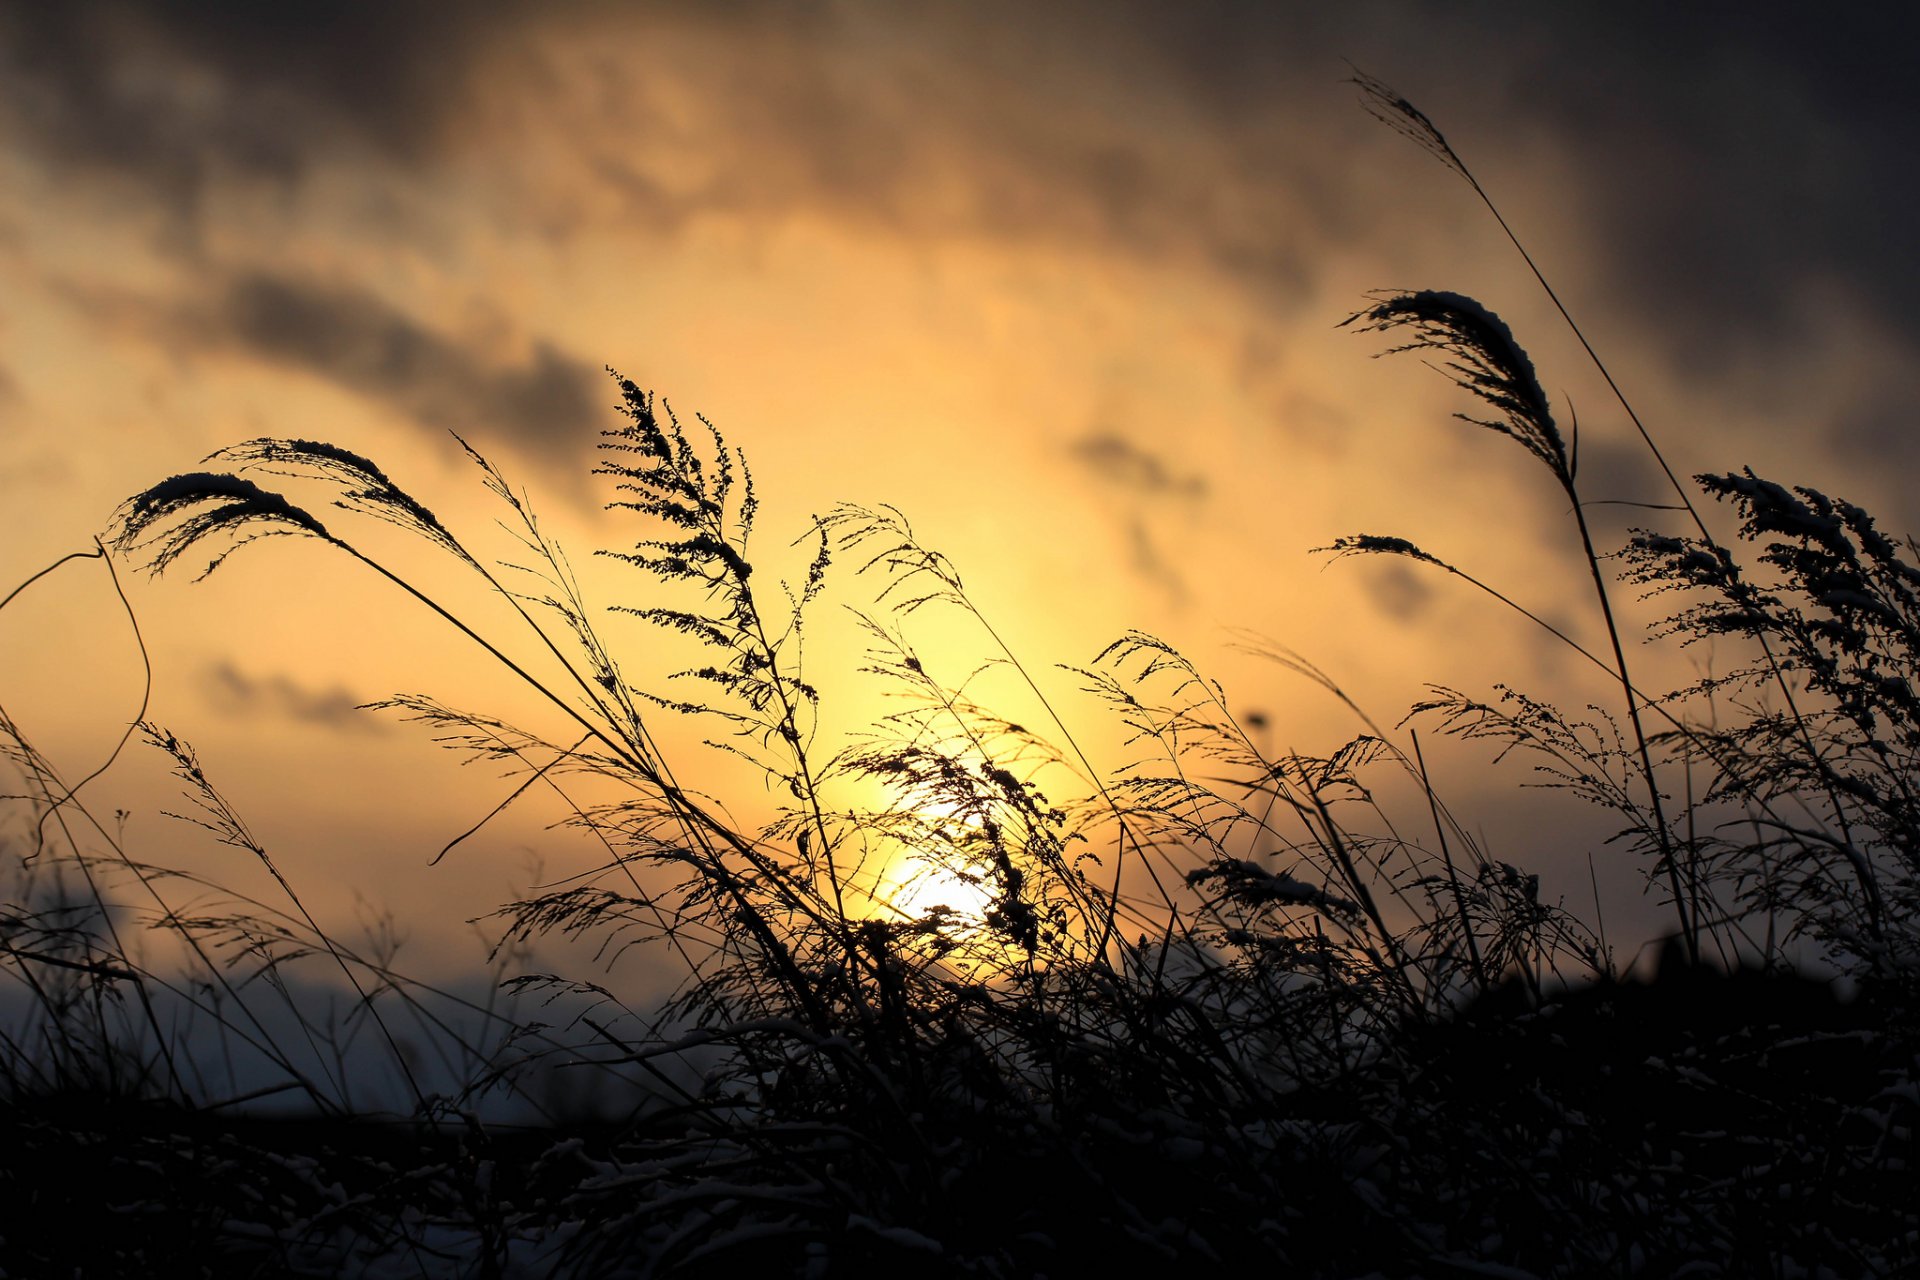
[[914, 887]]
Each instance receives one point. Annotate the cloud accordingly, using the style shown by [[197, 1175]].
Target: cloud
[[937, 125], [1145, 484], [1396, 589], [930, 123], [356, 340], [281, 697], [1621, 486], [1740, 153], [33, 475], [1121, 463], [501, 389], [170, 94], [1151, 562], [1743, 154]]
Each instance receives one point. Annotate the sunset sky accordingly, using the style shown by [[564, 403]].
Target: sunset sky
[[1060, 281]]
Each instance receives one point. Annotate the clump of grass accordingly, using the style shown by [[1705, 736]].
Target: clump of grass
[[145, 1089], [1834, 836], [1154, 944], [1480, 354], [1772, 767]]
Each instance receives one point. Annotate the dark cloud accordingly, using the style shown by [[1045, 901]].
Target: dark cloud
[[358, 341], [1397, 589], [1620, 471], [1120, 462], [1145, 483], [1874, 433], [282, 697], [1724, 154], [1713, 162], [1728, 157], [1057, 125], [527, 395], [172, 93], [1623, 488], [1151, 562], [1718, 162]]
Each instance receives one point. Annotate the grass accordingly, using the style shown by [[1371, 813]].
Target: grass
[[1214, 1008]]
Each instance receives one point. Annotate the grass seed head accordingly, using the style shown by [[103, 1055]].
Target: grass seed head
[[1379, 100], [1482, 357], [365, 487], [172, 517]]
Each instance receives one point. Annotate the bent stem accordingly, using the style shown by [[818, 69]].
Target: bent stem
[[1689, 921], [1398, 113]]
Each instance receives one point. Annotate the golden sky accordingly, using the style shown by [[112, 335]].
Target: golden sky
[[1062, 282]]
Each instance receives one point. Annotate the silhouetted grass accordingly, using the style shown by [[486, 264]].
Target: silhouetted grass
[[1217, 1008]]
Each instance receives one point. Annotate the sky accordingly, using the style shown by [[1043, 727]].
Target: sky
[[1064, 283]]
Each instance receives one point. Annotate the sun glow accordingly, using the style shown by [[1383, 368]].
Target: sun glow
[[947, 872], [927, 863], [915, 887], [949, 913]]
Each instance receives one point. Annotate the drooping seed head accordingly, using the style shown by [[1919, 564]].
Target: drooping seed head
[[364, 486], [1361, 544], [1380, 101], [1482, 357], [170, 518]]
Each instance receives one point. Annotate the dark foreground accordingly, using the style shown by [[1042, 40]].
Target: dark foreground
[[1705, 1126]]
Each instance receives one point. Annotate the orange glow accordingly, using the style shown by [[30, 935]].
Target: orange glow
[[1037, 283]]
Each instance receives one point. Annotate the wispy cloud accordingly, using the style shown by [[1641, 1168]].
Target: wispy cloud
[[357, 340], [1146, 487], [280, 696], [1118, 461], [1396, 590], [529, 394]]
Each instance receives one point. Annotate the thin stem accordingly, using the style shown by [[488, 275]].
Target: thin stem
[[1687, 927], [1453, 876], [1448, 156]]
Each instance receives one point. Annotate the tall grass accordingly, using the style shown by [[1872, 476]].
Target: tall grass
[[1217, 1006]]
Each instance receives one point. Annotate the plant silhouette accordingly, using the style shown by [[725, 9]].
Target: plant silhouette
[[1217, 1007]]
